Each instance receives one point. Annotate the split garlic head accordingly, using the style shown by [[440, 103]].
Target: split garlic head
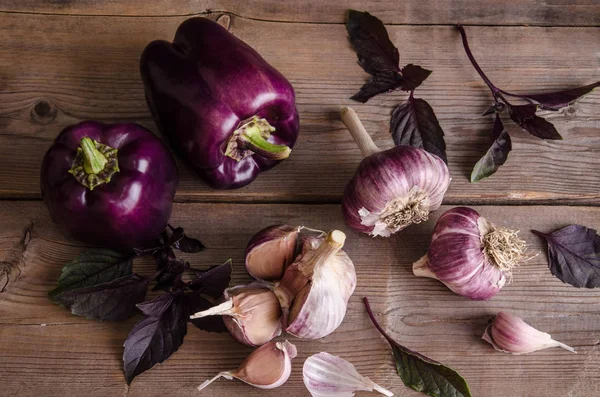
[[270, 251]]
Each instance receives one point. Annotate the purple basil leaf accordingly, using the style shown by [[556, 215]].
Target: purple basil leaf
[[189, 245], [413, 76], [414, 124], [560, 99], [524, 116], [495, 108], [176, 235], [196, 302], [376, 53], [496, 154], [92, 267], [574, 255], [378, 84], [170, 274], [157, 336], [111, 301], [213, 281]]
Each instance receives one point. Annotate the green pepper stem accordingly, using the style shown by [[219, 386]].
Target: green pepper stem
[[252, 138], [93, 161]]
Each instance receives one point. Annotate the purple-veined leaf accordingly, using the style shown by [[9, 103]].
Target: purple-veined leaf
[[213, 281], [496, 154], [378, 84], [414, 124], [574, 255], [157, 336], [183, 243], [525, 117], [413, 76], [111, 301], [560, 99]]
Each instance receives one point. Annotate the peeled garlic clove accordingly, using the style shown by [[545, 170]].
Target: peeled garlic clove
[[391, 189], [326, 375], [320, 306], [510, 334], [470, 255], [270, 251], [267, 367], [251, 314]]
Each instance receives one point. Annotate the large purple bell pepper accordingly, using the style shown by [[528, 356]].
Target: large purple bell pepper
[[224, 109], [110, 185]]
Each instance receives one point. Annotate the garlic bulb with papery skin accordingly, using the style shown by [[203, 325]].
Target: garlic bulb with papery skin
[[326, 375], [510, 334], [470, 255], [318, 286], [267, 367], [251, 314], [391, 189], [270, 251]]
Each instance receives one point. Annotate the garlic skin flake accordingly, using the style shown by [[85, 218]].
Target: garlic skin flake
[[510, 334], [326, 375], [267, 367]]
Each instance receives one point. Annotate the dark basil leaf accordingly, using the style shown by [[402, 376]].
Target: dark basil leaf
[[414, 124], [169, 273], [496, 154], [422, 373], [574, 255], [495, 108], [213, 281], [376, 53], [157, 336], [111, 301], [91, 268], [378, 84], [196, 302], [413, 76], [560, 99], [189, 245], [524, 115]]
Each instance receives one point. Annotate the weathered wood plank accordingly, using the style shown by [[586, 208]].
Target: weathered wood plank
[[43, 348], [509, 12], [58, 70]]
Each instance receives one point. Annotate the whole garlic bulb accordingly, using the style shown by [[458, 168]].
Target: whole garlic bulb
[[267, 367], [391, 189], [470, 255], [251, 313]]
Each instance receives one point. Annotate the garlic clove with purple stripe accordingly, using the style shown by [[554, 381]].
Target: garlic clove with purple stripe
[[267, 367], [470, 255], [270, 251], [391, 189], [510, 334], [326, 375]]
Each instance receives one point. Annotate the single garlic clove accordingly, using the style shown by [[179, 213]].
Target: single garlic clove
[[267, 367], [270, 251], [326, 375], [320, 306], [510, 334], [251, 314]]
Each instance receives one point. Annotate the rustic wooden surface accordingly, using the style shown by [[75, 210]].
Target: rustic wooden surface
[[66, 61]]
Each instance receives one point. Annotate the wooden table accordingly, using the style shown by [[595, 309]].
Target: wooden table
[[62, 62]]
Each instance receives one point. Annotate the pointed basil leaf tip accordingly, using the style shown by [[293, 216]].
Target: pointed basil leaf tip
[[157, 336], [560, 99], [574, 255], [420, 372], [414, 124], [525, 117], [92, 267], [496, 154], [213, 281], [413, 76], [378, 84], [111, 301]]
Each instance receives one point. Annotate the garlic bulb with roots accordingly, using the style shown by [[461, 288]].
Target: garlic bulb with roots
[[251, 313], [267, 367], [470, 255], [391, 189]]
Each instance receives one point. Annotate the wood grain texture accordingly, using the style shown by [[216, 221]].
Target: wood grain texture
[[45, 350], [59, 70], [508, 12]]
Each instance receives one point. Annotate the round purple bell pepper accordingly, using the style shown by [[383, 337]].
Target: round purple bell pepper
[[225, 110], [110, 185]]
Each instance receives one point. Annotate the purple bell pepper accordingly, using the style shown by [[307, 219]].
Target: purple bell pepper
[[225, 110], [110, 185]]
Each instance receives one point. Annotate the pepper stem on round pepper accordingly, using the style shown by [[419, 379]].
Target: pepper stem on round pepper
[[94, 163], [251, 137]]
